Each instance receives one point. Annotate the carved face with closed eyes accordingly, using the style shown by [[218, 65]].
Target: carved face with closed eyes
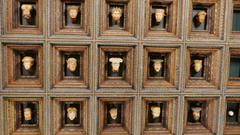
[[26, 10]]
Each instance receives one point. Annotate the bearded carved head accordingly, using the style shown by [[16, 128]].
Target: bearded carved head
[[28, 62], [73, 12], [156, 111], [201, 16], [157, 64], [197, 65], [71, 113], [71, 64], [196, 113], [113, 113], [26, 10], [27, 112], [115, 63], [116, 13], [159, 14]]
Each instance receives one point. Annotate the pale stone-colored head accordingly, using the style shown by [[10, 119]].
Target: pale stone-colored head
[[115, 63], [157, 64], [230, 113], [197, 65], [71, 64], [201, 16], [116, 13], [73, 11], [159, 14], [28, 62], [156, 111], [196, 113], [27, 113], [113, 113], [71, 113], [26, 10]]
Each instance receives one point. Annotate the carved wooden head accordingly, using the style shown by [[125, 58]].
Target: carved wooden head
[[73, 11], [72, 113], [159, 14], [71, 64], [156, 111], [157, 64], [116, 13], [201, 16], [26, 10], [28, 62], [113, 113], [115, 63], [27, 113], [231, 113], [196, 113], [198, 65]]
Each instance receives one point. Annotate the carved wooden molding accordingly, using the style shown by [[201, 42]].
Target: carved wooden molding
[[170, 18], [14, 115], [207, 123], [80, 77], [124, 127], [62, 23], [16, 22], [128, 7], [126, 79], [211, 65], [165, 125], [168, 67], [213, 19], [60, 127], [15, 75]]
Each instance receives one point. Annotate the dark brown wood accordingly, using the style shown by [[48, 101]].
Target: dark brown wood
[[125, 128], [58, 18], [11, 111], [60, 80], [213, 19], [171, 18], [128, 16], [211, 65], [169, 63], [14, 63], [58, 117], [166, 127], [126, 80], [13, 19], [207, 126]]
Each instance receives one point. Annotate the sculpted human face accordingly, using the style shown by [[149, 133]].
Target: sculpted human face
[[27, 114], [113, 113], [72, 113], [196, 113], [72, 64], [157, 64], [115, 63], [230, 113], [159, 14], [156, 111], [116, 13], [28, 62], [26, 10], [197, 65], [201, 16], [73, 11]]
